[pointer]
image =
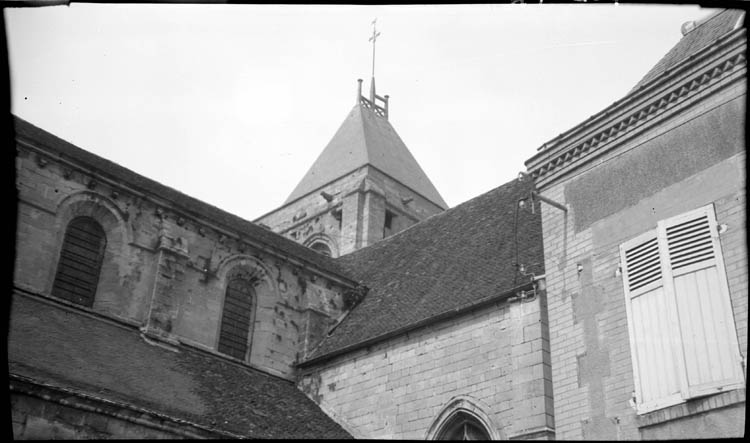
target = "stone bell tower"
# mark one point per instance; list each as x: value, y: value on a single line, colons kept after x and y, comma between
x: 363, y: 187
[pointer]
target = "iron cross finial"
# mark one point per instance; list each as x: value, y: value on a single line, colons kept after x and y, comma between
x: 374, y: 37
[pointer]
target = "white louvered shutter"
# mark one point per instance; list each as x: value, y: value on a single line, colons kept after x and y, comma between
x: 651, y: 324
x: 696, y: 274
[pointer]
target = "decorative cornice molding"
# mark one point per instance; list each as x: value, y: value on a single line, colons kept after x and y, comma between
x: 545, y: 162
x: 216, y: 228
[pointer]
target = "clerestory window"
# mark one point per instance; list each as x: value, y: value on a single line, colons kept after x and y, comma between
x: 237, y: 318
x: 80, y: 261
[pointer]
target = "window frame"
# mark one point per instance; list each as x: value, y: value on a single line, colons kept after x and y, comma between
x: 64, y: 262
x: 249, y: 281
x: 678, y: 359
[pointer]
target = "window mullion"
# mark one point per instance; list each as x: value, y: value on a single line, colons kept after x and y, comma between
x: 671, y: 301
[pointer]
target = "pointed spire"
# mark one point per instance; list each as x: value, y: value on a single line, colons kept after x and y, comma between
x: 366, y: 138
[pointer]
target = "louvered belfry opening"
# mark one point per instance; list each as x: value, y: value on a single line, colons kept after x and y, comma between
x: 236, y: 318
x: 80, y: 261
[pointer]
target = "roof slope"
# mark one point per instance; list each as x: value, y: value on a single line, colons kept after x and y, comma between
x: 364, y: 138
x: 69, y: 349
x: 193, y: 206
x: 703, y: 35
x: 451, y: 260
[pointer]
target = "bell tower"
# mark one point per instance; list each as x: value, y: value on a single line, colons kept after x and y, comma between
x: 363, y: 187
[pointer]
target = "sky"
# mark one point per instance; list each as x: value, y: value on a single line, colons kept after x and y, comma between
x: 231, y: 104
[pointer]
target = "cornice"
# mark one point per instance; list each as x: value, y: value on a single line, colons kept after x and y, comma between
x: 176, y: 211
x: 638, y: 110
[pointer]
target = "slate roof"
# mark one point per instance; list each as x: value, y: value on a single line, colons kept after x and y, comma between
x: 364, y: 138
x: 704, y: 34
x: 449, y: 261
x: 69, y: 349
x: 192, y: 206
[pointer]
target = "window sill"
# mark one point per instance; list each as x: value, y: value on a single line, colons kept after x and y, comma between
x: 691, y: 407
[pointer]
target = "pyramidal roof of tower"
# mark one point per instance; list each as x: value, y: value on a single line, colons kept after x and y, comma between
x: 365, y: 138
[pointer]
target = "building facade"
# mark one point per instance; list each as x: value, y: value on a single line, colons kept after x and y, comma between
x: 452, y: 339
x: 602, y: 295
x: 177, y: 285
x: 647, y: 266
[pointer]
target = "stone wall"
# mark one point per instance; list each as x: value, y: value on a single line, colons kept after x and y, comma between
x: 165, y: 269
x: 349, y: 213
x: 494, y: 361
x: 692, y: 159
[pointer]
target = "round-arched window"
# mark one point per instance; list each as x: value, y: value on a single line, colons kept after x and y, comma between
x: 321, y: 248
x: 80, y: 261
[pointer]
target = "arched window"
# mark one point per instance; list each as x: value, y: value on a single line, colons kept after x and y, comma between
x: 80, y: 261
x: 321, y: 248
x: 237, y: 318
x: 463, y: 426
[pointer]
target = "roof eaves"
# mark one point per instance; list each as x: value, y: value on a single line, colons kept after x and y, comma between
x: 24, y: 384
x: 640, y: 90
x: 582, y: 129
x: 416, y: 325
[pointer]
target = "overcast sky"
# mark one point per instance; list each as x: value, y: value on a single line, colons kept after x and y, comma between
x: 231, y: 104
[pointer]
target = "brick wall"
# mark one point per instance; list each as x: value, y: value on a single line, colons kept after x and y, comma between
x: 495, y: 358
x: 591, y: 361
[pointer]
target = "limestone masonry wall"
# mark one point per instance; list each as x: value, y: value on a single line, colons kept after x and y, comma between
x: 165, y: 269
x: 354, y: 216
x: 496, y: 359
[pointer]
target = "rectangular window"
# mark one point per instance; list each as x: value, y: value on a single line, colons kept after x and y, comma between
x: 388, y: 219
x: 682, y: 336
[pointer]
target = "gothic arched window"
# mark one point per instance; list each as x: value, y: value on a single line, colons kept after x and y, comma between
x: 463, y: 426
x: 80, y: 261
x: 237, y: 318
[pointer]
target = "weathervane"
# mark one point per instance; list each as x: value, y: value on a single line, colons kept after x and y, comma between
x: 374, y: 37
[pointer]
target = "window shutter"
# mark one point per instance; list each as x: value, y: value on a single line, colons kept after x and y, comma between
x: 236, y: 318
x: 651, y: 324
x: 80, y: 261
x: 706, y: 325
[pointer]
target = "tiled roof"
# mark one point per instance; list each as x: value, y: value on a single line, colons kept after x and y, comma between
x: 449, y: 261
x: 71, y: 350
x: 197, y: 208
x: 704, y: 34
x: 364, y: 138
